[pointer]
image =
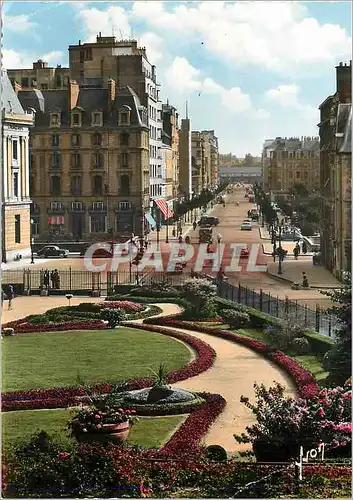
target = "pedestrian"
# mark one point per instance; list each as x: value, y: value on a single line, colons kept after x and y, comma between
x: 10, y: 296
x: 194, y: 225
x: 46, y: 279
x: 52, y: 279
x: 296, y: 252
x: 180, y: 239
x: 305, y: 248
x: 55, y: 278
x: 173, y: 232
x: 305, y: 280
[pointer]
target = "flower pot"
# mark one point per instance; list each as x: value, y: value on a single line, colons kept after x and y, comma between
x: 114, y: 433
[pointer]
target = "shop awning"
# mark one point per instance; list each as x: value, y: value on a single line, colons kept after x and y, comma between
x: 162, y: 205
x: 150, y: 220
x: 56, y: 221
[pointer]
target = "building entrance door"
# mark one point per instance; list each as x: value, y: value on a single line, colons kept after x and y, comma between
x: 77, y: 225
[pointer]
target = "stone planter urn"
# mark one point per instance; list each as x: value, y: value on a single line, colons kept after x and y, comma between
x: 114, y: 433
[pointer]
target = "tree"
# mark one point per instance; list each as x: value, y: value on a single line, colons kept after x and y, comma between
x: 299, y: 190
x: 248, y: 160
x: 200, y: 294
x: 339, y: 358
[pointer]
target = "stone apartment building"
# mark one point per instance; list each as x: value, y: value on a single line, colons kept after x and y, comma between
x: 92, y: 65
x: 89, y: 163
x: 335, y: 129
x: 171, y: 152
x: 204, y: 147
x: 292, y: 161
x: 15, y: 180
x: 185, y: 159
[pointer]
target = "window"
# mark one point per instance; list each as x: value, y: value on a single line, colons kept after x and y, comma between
x: 82, y: 56
x: 17, y: 228
x: 55, y: 140
x: 77, y: 206
x: 24, y: 82
x: 97, y: 206
x: 98, y: 224
x: 75, y: 160
x: 75, y: 119
x: 32, y: 185
x: 124, y: 185
x: 15, y: 150
x: 97, y: 185
x: 15, y: 185
x: 76, y: 184
x: 57, y: 206
x: 35, y: 226
x: 56, y: 160
x: 305, y: 175
x: 75, y: 140
x: 290, y: 175
x: 55, y: 188
x: 96, y: 139
x: 124, y: 160
x: 54, y: 119
x: 298, y: 175
x: 97, y: 119
x: 124, y: 206
x: 124, y: 139
x: 97, y: 160
x: 123, y: 117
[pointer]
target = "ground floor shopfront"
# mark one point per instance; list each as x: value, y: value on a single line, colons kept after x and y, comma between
x: 16, y: 227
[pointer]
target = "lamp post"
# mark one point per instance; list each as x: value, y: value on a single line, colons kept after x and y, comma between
x: 167, y: 232
x: 274, y: 240
x: 158, y: 228
x: 32, y: 256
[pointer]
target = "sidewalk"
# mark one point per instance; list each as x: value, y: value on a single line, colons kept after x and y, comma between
x: 287, y: 245
x: 318, y: 277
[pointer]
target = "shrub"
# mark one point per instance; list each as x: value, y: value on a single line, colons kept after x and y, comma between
x: 113, y: 316
x: 89, y: 307
x: 200, y: 293
x: 300, y: 345
x: 37, y: 319
x: 216, y: 453
x: 236, y: 319
x: 283, y: 334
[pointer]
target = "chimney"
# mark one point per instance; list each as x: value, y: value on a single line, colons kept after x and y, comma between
x: 344, y: 82
x: 111, y: 90
x: 74, y: 90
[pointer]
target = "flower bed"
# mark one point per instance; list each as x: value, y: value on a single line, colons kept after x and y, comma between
x: 307, y: 386
x: 62, y: 397
x: 24, y: 327
x: 127, y: 306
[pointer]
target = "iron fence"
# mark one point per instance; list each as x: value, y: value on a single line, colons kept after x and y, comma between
x: 72, y: 280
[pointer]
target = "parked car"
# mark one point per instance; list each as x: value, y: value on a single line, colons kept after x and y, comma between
x: 207, y: 221
x: 246, y: 226
x: 52, y: 251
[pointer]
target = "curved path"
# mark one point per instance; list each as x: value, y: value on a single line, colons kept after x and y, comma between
x: 233, y: 374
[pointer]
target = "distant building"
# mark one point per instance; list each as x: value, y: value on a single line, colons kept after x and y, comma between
x: 335, y: 173
x: 204, y: 150
x: 185, y: 159
x: 292, y: 161
x: 15, y: 179
x: 170, y: 150
x: 250, y: 175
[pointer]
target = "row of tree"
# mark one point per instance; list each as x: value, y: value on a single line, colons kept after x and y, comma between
x: 198, y: 201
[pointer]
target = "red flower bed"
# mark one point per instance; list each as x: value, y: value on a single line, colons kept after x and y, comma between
x: 63, y: 396
x: 306, y: 383
x: 24, y: 327
x: 129, y: 307
x: 188, y: 437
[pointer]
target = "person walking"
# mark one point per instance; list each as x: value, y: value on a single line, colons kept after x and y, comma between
x: 305, y: 248
x: 305, y: 280
x: 46, y: 279
x: 10, y: 296
x: 194, y: 225
x: 296, y: 251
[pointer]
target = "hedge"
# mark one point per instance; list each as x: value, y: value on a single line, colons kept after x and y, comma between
x: 149, y: 410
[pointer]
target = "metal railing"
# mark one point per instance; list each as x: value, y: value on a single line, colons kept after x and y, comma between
x: 72, y: 280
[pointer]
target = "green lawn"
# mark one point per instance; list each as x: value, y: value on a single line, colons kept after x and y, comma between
x: 148, y: 431
x: 44, y: 360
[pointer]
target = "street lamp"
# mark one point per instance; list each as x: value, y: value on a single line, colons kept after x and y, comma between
x: 167, y: 232
x: 32, y: 256
x: 158, y: 228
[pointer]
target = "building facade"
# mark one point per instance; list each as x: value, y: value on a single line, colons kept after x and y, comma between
x: 89, y: 164
x: 15, y: 180
x: 293, y: 161
x: 204, y: 148
x: 335, y: 129
x: 185, y: 159
x: 251, y: 175
x: 214, y: 158
x: 170, y: 150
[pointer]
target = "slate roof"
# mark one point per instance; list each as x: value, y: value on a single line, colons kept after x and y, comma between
x: 9, y: 99
x: 89, y: 100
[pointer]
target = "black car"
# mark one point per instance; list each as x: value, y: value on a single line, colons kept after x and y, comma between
x: 52, y: 251
x: 208, y: 221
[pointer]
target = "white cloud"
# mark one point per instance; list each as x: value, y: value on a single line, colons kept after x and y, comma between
x: 278, y: 36
x: 154, y: 46
x: 18, y: 24
x: 114, y: 19
x: 24, y: 60
x: 287, y: 96
x: 183, y: 78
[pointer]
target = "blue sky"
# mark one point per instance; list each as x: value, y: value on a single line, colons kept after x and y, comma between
x: 249, y: 70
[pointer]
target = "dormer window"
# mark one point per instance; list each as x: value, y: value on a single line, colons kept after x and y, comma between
x: 55, y: 119
x: 97, y: 119
x: 76, y: 119
x: 124, y: 115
